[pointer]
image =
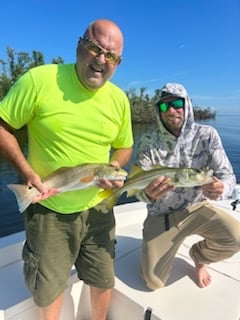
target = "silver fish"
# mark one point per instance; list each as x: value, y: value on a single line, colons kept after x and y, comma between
x: 80, y: 177
x: 139, y: 179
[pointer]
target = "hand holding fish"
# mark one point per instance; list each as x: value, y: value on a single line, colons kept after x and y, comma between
x: 33, y: 180
x: 158, y: 188
x: 214, y: 189
x: 107, y: 184
x: 156, y: 182
x: 81, y: 177
x: 44, y: 194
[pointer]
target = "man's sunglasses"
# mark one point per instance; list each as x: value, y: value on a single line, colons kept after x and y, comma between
x: 96, y: 50
x: 176, y: 104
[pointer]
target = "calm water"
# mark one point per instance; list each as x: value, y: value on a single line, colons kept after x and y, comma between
x: 11, y: 221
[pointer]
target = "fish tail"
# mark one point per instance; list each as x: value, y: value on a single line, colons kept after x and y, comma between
x: 132, y: 192
x: 23, y: 194
x: 107, y: 203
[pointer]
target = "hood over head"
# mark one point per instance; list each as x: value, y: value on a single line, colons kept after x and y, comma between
x: 177, y: 90
x: 172, y: 90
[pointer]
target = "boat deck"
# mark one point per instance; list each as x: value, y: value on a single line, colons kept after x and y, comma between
x: 180, y: 299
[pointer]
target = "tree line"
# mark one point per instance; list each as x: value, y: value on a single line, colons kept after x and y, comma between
x: 142, y: 105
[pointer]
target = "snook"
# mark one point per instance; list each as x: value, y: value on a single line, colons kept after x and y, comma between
x: 80, y: 177
x: 139, y: 179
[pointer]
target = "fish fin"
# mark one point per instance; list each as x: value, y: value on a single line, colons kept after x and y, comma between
x: 86, y: 179
x: 134, y: 170
x: 23, y: 194
x: 106, y: 205
x: 105, y: 194
x: 109, y: 199
x: 102, y: 206
x: 132, y: 192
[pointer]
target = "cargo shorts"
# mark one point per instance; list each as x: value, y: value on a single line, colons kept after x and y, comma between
x: 55, y: 242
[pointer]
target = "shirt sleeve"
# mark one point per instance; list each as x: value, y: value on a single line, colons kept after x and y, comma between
x: 125, y: 136
x: 17, y: 107
x: 221, y: 164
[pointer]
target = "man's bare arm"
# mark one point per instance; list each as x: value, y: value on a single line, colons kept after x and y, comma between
x: 11, y: 151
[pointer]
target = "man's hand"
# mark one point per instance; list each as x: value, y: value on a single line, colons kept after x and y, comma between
x: 45, y: 195
x: 214, y: 189
x: 109, y: 184
x: 33, y: 180
x: 158, y: 188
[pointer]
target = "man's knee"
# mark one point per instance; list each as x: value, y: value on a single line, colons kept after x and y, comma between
x: 152, y: 281
x: 235, y: 241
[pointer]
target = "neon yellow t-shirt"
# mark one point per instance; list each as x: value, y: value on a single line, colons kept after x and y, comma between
x: 67, y: 125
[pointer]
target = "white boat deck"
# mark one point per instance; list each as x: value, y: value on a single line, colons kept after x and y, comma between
x: 180, y: 299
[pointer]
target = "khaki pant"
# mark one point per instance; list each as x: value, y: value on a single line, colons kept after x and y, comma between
x: 221, y: 233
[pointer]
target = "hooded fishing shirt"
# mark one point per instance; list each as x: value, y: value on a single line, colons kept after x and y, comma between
x: 198, y: 146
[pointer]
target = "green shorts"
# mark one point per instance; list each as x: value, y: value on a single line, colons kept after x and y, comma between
x: 55, y: 242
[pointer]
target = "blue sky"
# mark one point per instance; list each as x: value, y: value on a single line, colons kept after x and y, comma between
x: 193, y: 42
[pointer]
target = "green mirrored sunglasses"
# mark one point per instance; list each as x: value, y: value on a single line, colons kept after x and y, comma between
x: 176, y: 104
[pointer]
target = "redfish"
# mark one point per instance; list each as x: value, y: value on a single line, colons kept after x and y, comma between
x: 83, y: 176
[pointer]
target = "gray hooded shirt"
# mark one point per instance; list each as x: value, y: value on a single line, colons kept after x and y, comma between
x: 198, y: 146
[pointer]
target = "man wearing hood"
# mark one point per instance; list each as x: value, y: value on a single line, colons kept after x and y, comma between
x: 173, y: 212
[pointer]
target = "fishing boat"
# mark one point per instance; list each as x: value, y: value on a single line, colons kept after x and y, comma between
x: 180, y: 299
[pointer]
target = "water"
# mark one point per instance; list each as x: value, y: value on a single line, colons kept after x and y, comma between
x: 12, y: 221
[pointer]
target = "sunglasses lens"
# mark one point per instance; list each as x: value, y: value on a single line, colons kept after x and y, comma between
x: 163, y: 106
x: 93, y: 48
x: 177, y: 104
x: 110, y: 57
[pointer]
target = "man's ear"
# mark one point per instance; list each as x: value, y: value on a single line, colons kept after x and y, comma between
x: 120, y: 60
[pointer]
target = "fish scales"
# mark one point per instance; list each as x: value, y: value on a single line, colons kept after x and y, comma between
x: 80, y: 177
x: 139, y: 179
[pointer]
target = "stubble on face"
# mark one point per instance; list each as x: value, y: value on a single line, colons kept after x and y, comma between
x: 173, y: 122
